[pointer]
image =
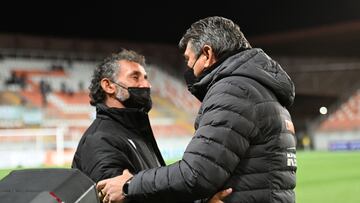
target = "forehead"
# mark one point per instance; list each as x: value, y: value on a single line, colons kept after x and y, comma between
x: 130, y: 67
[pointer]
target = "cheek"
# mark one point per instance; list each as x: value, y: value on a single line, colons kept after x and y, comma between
x: 197, y: 70
x: 188, y: 64
x: 122, y: 94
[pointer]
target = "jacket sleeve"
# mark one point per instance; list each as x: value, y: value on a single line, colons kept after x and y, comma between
x: 103, y: 157
x: 209, y: 159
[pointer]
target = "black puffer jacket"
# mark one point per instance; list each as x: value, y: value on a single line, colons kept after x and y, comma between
x: 244, y: 138
x: 118, y: 139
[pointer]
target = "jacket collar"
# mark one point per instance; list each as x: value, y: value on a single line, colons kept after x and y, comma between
x: 200, y: 87
x: 129, y: 117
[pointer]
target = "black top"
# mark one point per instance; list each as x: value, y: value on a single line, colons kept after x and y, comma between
x: 118, y: 139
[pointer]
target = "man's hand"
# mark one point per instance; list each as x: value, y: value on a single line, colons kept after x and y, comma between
x: 218, y: 197
x: 111, y: 189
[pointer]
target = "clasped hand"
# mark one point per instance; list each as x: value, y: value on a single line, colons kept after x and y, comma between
x: 110, y: 190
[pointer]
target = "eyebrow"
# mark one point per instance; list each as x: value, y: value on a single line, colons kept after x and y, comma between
x: 137, y: 73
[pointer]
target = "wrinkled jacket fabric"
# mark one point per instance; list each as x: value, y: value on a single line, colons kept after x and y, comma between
x: 117, y: 139
x: 244, y: 138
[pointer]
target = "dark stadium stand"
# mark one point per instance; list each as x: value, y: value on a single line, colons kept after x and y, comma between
x: 67, y: 111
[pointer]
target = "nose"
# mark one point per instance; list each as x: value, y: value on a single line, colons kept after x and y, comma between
x: 145, y: 83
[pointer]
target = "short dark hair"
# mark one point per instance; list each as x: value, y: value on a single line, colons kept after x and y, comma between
x: 109, y: 68
x: 222, y: 34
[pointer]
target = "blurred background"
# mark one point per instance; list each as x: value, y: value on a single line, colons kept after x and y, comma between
x: 48, y: 52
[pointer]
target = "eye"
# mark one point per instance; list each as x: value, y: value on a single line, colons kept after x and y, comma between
x: 135, y: 77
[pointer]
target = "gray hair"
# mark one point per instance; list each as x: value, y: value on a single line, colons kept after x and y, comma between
x: 222, y: 34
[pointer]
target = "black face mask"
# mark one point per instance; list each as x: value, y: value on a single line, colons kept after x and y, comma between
x: 139, y: 98
x: 189, y: 76
x: 191, y: 79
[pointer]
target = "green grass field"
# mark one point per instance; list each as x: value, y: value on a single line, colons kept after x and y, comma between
x: 330, y: 177
x: 326, y: 177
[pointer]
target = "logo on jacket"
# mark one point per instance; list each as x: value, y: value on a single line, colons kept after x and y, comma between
x: 291, y: 159
x: 290, y: 126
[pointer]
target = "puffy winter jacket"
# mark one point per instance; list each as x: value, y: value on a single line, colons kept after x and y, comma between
x: 244, y: 138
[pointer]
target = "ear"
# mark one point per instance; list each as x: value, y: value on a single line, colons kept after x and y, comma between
x: 107, y: 86
x: 209, y: 54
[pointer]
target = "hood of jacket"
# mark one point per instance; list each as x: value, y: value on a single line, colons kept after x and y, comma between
x: 252, y: 63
